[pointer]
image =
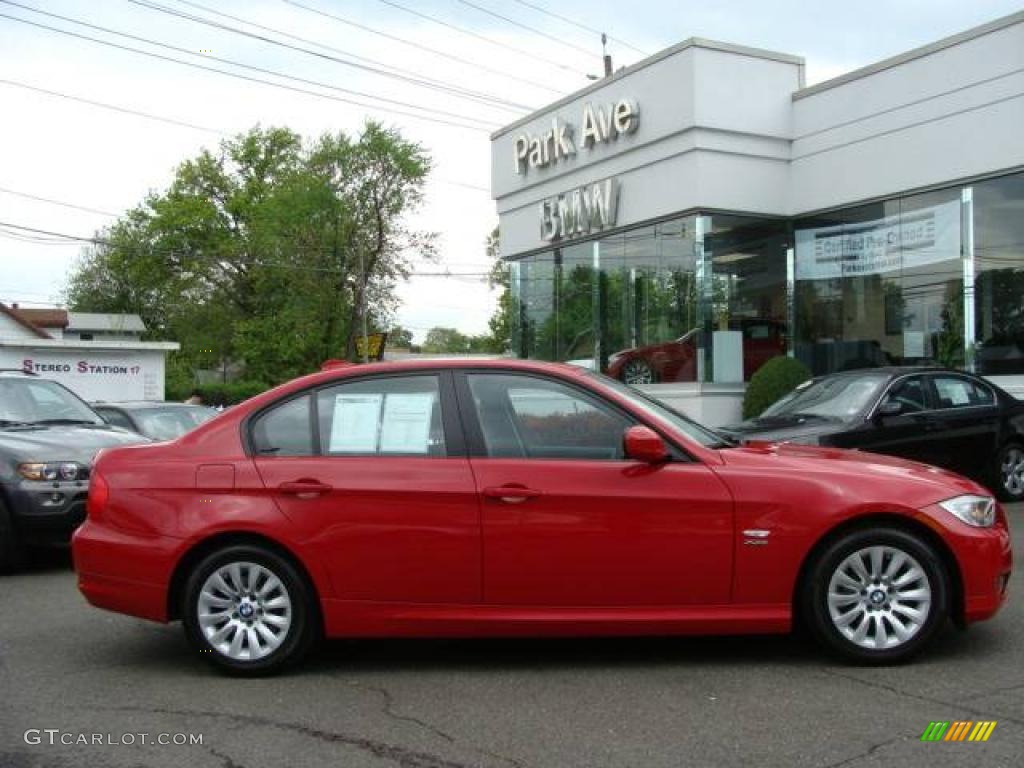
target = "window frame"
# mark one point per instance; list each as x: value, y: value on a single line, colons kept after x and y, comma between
x: 455, y: 443
x: 476, y: 445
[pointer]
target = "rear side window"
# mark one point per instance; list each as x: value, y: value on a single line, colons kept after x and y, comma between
x: 957, y: 392
x: 284, y: 430
x: 397, y: 416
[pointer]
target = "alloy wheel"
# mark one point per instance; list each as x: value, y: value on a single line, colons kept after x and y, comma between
x: 637, y: 372
x: 244, y: 611
x: 1012, y: 471
x: 879, y: 597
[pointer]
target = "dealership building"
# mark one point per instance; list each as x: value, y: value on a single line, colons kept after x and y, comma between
x: 683, y: 220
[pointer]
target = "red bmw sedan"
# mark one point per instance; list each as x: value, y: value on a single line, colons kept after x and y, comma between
x: 481, y: 498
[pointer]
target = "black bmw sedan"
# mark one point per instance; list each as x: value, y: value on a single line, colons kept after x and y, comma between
x: 937, y: 416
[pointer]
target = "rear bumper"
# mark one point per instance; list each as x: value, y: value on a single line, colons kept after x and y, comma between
x: 124, y: 571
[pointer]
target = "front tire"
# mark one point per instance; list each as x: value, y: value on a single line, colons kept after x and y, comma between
x: 876, y: 596
x: 249, y: 610
x: 12, y: 550
x: 1009, y: 472
x: 638, y: 371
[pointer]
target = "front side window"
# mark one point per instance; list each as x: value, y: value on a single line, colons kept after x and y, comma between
x: 284, y: 429
x: 398, y: 416
x: 957, y: 392
x: 529, y: 417
x: 909, y: 393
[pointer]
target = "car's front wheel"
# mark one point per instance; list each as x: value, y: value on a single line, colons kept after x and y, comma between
x: 876, y: 595
x: 638, y: 371
x: 249, y: 610
x: 1010, y: 472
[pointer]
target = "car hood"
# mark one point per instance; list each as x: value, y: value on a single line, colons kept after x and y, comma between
x: 782, y: 428
x: 916, y: 483
x: 63, y: 443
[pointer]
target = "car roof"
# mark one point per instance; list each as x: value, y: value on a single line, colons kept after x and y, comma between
x: 893, y: 370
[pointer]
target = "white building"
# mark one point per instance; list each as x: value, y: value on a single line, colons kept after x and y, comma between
x: 97, y: 356
x: 693, y: 214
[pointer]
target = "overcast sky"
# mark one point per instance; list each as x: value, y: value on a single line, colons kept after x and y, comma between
x: 90, y: 156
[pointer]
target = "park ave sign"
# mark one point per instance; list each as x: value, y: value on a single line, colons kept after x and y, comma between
x: 598, y: 125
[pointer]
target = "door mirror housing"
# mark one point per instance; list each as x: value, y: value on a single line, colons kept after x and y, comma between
x: 644, y: 444
x: 888, y: 408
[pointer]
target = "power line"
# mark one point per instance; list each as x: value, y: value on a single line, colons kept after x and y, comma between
x: 477, y: 35
x: 307, y: 268
x: 412, y: 43
x: 114, y: 107
x: 575, y: 23
x: 477, y: 96
x: 527, y: 27
x: 57, y: 202
x: 248, y: 78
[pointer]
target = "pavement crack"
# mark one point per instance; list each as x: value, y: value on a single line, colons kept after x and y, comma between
x: 225, y: 760
x: 389, y: 710
x: 988, y: 714
x: 407, y: 758
x: 866, y: 753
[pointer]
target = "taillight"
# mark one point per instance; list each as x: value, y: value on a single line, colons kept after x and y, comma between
x: 99, y: 495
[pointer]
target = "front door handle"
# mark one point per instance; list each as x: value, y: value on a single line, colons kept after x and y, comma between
x: 510, y: 494
x: 304, y: 489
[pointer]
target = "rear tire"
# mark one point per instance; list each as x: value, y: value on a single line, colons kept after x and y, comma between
x: 249, y: 610
x: 13, y: 555
x: 1009, y: 472
x: 876, y: 596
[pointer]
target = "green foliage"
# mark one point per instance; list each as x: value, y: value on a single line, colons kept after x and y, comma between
x: 400, y: 337
x: 266, y: 253
x: 446, y: 341
x: 777, y: 377
x: 230, y: 393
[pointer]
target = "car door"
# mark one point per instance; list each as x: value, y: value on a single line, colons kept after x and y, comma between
x: 373, y: 474
x: 907, y: 434
x: 568, y: 521
x: 967, y: 416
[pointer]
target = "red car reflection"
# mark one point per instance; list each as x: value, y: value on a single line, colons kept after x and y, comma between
x: 479, y: 498
x: 676, y: 360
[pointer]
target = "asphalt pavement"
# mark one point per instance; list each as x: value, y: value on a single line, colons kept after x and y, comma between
x: 72, y: 673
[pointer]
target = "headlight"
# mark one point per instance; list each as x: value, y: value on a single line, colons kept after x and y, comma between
x: 979, y: 511
x: 53, y: 470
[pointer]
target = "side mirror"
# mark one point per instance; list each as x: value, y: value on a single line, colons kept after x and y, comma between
x: 888, y: 408
x: 644, y: 444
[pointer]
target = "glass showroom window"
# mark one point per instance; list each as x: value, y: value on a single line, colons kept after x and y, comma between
x: 881, y: 284
x: 999, y: 275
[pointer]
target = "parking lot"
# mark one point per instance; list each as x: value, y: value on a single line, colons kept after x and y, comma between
x: 76, y: 672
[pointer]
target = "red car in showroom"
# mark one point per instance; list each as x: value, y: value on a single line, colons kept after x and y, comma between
x: 480, y: 498
x: 676, y: 360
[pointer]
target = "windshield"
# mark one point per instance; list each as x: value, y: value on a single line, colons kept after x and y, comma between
x: 659, y: 410
x: 170, y: 423
x: 836, y: 397
x: 26, y: 400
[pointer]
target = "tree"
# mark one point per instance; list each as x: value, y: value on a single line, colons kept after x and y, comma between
x: 400, y: 337
x: 500, y: 324
x: 446, y: 341
x: 270, y: 252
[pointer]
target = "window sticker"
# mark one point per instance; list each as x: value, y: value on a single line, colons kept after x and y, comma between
x: 355, y: 424
x: 406, y: 424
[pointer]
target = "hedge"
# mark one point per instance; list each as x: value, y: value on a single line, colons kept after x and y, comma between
x: 778, y: 377
x: 230, y: 393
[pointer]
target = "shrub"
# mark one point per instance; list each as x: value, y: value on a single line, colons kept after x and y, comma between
x: 230, y: 393
x: 777, y: 377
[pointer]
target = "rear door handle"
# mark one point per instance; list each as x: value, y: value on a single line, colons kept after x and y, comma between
x: 304, y: 489
x: 510, y: 494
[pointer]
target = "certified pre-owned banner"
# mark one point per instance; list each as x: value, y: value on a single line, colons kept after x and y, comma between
x: 909, y: 240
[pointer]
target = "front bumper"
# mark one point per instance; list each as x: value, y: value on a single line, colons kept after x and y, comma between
x: 124, y: 571
x: 985, y: 557
x: 47, y: 512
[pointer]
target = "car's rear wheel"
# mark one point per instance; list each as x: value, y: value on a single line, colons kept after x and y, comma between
x: 637, y: 371
x: 12, y: 551
x: 876, y: 595
x: 249, y: 610
x: 1010, y: 472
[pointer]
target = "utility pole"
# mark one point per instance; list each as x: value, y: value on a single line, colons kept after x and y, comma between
x: 607, y: 56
